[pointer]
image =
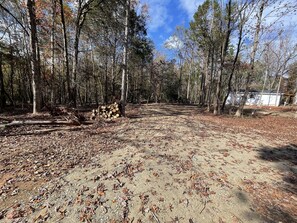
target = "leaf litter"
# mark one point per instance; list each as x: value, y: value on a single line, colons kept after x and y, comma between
x: 181, y: 167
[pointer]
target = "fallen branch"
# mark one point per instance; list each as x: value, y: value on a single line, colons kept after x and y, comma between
x: 156, y: 218
x: 45, y: 122
x: 203, y: 207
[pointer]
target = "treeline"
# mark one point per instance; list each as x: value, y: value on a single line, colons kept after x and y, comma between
x: 73, y: 52
x: 86, y: 52
x: 236, y: 46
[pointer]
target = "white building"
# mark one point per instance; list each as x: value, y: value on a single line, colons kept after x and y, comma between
x: 257, y: 98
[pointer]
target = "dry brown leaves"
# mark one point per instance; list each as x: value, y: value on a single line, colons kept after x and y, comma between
x: 29, y: 158
x: 274, y: 202
x: 274, y: 127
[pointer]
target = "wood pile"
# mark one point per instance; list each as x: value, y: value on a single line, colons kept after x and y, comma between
x: 66, y: 113
x: 111, y: 111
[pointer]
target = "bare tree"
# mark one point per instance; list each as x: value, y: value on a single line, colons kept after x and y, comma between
x: 53, y: 33
x: 2, y: 90
x: 224, y: 48
x: 35, y: 58
x: 263, y: 4
x: 242, y: 17
x: 65, y: 49
x: 125, y: 59
x: 83, y: 7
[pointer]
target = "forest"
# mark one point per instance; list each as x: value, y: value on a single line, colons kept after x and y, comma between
x: 92, y: 52
x: 99, y: 122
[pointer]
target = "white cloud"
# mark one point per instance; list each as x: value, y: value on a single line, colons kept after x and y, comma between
x: 158, y: 13
x: 190, y: 6
x: 173, y: 42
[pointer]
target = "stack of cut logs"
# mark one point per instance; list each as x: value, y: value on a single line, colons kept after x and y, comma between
x: 111, y: 111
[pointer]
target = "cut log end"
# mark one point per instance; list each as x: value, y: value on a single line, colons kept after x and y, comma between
x: 109, y: 112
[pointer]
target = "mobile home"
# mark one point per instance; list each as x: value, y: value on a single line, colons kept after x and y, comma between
x: 257, y: 98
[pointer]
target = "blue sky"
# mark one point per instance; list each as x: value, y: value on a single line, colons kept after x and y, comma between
x: 165, y: 15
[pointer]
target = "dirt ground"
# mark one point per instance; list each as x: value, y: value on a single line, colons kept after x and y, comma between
x: 163, y: 163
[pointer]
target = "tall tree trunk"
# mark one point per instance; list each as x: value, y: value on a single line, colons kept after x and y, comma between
x: 277, y: 103
x: 125, y: 61
x: 210, y: 79
x: 2, y: 90
x: 141, y: 87
x: 53, y: 31
x: 106, y: 65
x: 211, y: 52
x: 224, y: 48
x: 203, y: 87
x: 82, y: 11
x: 179, y: 91
x: 234, y: 64
x: 73, y: 94
x: 65, y: 44
x: 239, y: 111
x: 189, y: 79
x: 61, y: 87
x: 217, y: 99
x: 106, y: 79
x: 12, y: 72
x: 94, y: 77
x: 205, y: 80
x: 35, y: 60
x: 113, y: 66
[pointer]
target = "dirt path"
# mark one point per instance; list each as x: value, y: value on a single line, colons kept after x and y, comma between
x: 164, y: 163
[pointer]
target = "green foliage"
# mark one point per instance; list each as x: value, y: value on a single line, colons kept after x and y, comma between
x: 140, y: 45
x: 206, y: 24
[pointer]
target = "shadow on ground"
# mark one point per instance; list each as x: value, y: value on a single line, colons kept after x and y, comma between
x: 286, y: 159
x: 281, y: 205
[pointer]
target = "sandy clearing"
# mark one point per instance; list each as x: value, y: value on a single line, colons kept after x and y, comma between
x: 170, y: 164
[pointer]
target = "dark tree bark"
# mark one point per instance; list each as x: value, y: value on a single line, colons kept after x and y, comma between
x: 66, y: 58
x: 82, y: 11
x: 210, y: 74
x: 224, y: 49
x: 179, y: 91
x: 12, y: 70
x: 239, y: 111
x: 78, y: 26
x: 113, y: 66
x: 205, y: 81
x: 95, y: 78
x: 241, y: 25
x: 53, y: 32
x: 106, y: 67
x: 202, y: 89
x: 2, y: 90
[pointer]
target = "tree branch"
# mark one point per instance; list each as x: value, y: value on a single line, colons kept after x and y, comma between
x: 16, y: 19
